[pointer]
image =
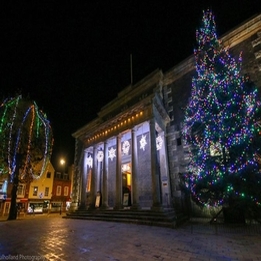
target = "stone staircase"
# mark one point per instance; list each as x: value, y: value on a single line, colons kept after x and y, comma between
x: 164, y: 218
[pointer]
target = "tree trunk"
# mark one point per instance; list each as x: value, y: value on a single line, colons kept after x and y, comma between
x: 13, y: 207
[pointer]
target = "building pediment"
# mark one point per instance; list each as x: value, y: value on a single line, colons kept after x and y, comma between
x: 132, y: 106
x: 131, y: 95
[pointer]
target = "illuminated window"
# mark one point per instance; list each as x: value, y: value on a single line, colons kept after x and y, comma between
x: 58, y: 191
x: 35, y: 191
x: 46, y: 192
x: 66, y: 191
x: 89, y: 177
x: 20, y: 190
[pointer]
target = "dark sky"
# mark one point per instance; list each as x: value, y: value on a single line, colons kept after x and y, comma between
x: 73, y: 57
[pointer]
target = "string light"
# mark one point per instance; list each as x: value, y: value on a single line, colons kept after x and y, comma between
x: 220, y: 126
x: 24, y: 129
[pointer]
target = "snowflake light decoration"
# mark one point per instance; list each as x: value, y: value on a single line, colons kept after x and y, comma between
x: 159, y: 142
x: 143, y: 142
x: 126, y: 147
x: 89, y: 161
x: 100, y: 156
x: 125, y: 167
x: 112, y: 154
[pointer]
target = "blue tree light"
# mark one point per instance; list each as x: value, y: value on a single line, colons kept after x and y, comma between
x: 221, y: 125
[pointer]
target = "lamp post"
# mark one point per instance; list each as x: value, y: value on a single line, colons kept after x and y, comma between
x: 62, y: 162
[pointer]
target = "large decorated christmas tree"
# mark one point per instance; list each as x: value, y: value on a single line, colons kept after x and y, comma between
x: 221, y: 127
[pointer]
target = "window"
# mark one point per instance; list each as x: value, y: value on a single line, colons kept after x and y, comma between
x: 20, y: 190
x: 58, y: 191
x: 65, y: 176
x: 46, y: 192
x: 35, y: 191
x: 48, y: 175
x: 58, y: 175
x: 66, y: 191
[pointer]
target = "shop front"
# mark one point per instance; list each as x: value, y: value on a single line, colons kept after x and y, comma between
x: 38, y: 207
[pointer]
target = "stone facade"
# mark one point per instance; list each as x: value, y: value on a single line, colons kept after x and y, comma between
x: 121, y: 155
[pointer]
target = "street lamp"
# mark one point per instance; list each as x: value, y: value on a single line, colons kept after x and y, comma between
x: 62, y: 162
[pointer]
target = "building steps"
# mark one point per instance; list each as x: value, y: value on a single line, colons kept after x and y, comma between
x: 165, y: 218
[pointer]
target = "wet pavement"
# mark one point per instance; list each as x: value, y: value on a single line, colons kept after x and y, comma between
x: 55, y: 238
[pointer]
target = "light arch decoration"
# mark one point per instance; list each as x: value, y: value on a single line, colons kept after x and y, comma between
x: 25, y: 131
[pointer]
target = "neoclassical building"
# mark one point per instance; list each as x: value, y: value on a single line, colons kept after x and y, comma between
x: 123, y: 156
x: 131, y: 155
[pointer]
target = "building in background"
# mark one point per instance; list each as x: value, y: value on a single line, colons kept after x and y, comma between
x: 40, y: 191
x: 33, y: 197
x: 3, y: 193
x: 61, y: 193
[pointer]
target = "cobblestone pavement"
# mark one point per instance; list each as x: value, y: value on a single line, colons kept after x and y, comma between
x: 56, y: 238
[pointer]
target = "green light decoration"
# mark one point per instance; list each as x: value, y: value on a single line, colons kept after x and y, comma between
x: 221, y: 126
x: 24, y: 130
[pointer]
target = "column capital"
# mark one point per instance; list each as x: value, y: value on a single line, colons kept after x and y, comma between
x: 134, y: 129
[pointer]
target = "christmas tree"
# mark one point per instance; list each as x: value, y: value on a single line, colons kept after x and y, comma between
x: 221, y: 126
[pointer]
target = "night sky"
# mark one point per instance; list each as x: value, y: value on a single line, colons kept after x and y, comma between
x: 73, y: 57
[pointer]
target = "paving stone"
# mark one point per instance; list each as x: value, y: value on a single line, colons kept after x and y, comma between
x: 55, y: 238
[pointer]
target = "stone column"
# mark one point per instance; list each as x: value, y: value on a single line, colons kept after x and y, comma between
x: 105, y: 177
x: 75, y: 181
x: 75, y: 189
x: 84, y: 181
x: 118, y: 201
x: 93, y: 178
x: 166, y: 164
x: 154, y: 168
x: 134, y: 162
x: 98, y: 173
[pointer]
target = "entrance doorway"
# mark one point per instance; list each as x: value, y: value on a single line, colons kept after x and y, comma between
x: 126, y: 184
